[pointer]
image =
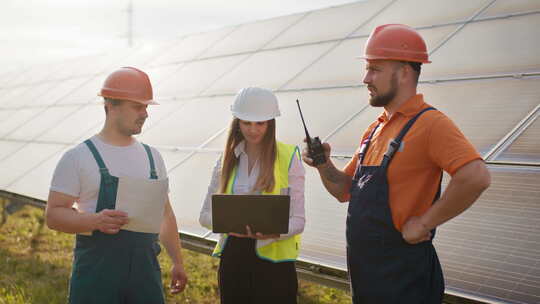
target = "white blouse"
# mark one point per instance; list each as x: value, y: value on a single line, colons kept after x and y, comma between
x: 245, y: 182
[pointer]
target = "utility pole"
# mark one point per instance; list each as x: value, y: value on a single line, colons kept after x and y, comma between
x: 130, y: 23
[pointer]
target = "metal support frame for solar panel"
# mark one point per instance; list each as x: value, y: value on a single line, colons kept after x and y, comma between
x: 513, y: 134
x: 318, y: 273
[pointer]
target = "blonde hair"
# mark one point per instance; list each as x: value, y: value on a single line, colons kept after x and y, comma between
x: 266, y: 180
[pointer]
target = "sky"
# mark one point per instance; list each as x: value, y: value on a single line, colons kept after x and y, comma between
x: 37, y: 31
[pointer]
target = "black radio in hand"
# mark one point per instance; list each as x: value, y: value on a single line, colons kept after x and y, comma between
x: 315, y: 148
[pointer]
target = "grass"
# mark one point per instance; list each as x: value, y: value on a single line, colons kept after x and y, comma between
x: 35, y: 265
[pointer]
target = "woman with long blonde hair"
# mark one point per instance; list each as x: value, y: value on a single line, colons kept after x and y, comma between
x: 255, y: 267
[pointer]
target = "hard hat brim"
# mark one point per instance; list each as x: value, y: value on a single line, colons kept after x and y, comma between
x: 254, y: 118
x: 144, y: 102
x: 391, y: 58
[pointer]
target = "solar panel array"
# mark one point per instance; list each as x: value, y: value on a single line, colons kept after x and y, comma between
x: 485, y: 75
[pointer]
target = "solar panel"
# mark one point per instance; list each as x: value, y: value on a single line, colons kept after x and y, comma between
x: 161, y: 74
x: 472, y: 50
x: 323, y: 240
x: 492, y: 250
x: 511, y: 7
x: 252, y: 36
x: 39, y: 123
x: 336, y: 104
x: 84, y: 93
x: 484, y: 110
x: 271, y: 68
x: 328, y: 24
x: 426, y: 13
x: 189, y: 192
x: 58, y: 90
x: 39, y: 174
x: 72, y: 127
x: 338, y: 69
x: 28, y: 95
x: 191, y: 47
x: 24, y: 159
x: 526, y: 148
x: 16, y: 118
x: 207, y: 115
x: 196, y: 76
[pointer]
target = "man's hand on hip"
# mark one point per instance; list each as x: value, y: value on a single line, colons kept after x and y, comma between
x: 414, y: 231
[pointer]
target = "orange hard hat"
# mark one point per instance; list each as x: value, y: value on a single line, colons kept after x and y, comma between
x: 128, y: 83
x: 396, y: 42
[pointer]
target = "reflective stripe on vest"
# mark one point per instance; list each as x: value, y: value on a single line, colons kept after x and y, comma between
x: 272, y: 250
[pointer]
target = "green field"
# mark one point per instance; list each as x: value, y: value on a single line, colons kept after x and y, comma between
x: 35, y: 265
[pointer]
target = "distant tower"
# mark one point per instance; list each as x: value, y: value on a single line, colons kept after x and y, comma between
x: 130, y: 23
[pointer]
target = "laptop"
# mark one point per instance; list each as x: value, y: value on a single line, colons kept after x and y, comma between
x: 267, y: 214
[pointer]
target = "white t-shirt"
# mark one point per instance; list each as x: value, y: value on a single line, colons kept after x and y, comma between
x: 77, y: 172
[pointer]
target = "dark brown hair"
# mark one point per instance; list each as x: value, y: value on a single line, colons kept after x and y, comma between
x: 112, y: 102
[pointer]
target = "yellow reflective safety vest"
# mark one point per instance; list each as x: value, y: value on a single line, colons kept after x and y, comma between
x: 274, y: 250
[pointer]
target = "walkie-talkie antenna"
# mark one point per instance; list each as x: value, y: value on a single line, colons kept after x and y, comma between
x: 303, y: 122
x: 315, y: 147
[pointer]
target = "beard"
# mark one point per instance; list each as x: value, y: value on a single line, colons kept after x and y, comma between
x: 138, y: 127
x: 385, y: 99
x: 129, y: 130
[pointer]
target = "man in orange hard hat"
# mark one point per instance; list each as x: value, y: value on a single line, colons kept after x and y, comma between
x: 112, y: 264
x: 393, y: 181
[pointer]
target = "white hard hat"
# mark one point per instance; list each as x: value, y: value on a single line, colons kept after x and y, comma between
x: 255, y: 104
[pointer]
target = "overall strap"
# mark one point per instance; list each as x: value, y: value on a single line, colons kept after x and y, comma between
x: 101, y: 164
x: 435, y: 199
x: 396, y: 142
x: 365, y: 145
x: 153, y: 173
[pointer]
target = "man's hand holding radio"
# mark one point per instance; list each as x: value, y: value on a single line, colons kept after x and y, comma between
x: 307, y: 158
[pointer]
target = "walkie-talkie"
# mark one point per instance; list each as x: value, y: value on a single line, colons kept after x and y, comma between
x: 315, y: 148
